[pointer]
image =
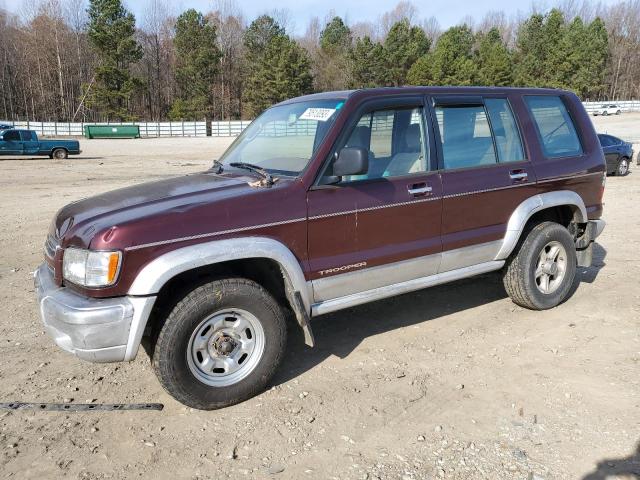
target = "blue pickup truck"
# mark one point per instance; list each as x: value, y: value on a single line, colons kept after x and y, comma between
x: 25, y: 142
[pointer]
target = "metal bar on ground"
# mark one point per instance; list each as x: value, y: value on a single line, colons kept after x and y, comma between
x: 80, y: 407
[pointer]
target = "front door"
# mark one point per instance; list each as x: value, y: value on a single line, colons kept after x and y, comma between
x: 383, y: 227
x: 11, y: 143
x: 485, y: 176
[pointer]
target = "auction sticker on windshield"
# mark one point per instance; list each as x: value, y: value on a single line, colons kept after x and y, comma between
x: 318, y: 114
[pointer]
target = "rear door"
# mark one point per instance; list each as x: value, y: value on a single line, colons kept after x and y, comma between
x: 381, y: 228
x: 485, y: 175
x: 11, y: 144
x: 30, y: 144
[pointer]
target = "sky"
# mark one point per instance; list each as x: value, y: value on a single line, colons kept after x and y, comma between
x: 447, y: 12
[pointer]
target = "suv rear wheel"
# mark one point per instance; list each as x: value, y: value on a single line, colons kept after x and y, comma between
x: 221, y: 344
x: 540, y: 274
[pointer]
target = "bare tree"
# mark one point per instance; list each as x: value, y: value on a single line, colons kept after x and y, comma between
x: 431, y: 28
x: 156, y: 41
x: 230, y: 25
x: 404, y: 10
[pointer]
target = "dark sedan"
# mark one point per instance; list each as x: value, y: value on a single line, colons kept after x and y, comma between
x: 618, y: 154
x: 5, y: 126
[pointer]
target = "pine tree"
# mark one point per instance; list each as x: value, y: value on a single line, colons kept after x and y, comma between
x: 450, y: 63
x: 554, y: 33
x: 367, y: 60
x: 197, y: 60
x: 111, y: 32
x: 336, y: 36
x: 539, y: 56
x: 332, y: 61
x: 596, y: 58
x: 258, y: 36
x: 402, y: 47
x: 530, y: 52
x: 493, y: 60
x: 279, y: 67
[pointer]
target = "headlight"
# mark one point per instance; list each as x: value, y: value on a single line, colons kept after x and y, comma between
x: 90, y: 269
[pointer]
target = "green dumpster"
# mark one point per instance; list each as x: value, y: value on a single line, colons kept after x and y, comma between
x: 112, y: 131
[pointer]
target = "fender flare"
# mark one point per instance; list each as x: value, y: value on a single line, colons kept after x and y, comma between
x: 159, y: 271
x: 531, y: 205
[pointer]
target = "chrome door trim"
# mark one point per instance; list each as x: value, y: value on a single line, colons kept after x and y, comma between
x: 468, y: 256
x: 328, y: 288
x: 367, y: 296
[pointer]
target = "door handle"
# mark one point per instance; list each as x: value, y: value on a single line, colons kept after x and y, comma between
x: 518, y: 175
x: 419, y: 189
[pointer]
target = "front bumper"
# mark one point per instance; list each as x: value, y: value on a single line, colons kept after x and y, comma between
x: 94, y: 329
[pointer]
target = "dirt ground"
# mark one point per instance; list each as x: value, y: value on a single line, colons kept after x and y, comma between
x: 450, y: 382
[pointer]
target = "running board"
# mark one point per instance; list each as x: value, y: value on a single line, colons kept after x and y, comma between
x: 367, y: 296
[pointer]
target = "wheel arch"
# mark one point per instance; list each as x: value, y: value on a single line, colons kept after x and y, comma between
x: 256, y: 258
x: 541, y: 204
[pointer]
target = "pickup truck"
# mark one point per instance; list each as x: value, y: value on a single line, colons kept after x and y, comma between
x: 325, y: 202
x: 25, y: 142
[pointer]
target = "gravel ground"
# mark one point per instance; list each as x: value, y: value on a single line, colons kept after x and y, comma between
x: 450, y: 382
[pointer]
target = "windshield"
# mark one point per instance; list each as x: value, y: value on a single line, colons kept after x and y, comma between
x: 284, y: 138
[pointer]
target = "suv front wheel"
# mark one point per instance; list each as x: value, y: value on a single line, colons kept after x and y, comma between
x: 540, y: 274
x: 221, y: 344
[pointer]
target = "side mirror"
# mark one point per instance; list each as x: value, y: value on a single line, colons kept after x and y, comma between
x: 351, y: 161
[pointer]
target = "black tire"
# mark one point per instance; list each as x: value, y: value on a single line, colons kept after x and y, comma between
x: 171, y: 348
x: 618, y: 112
x: 623, y: 167
x: 59, y: 154
x: 519, y: 274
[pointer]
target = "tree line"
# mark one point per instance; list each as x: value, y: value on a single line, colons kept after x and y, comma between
x: 79, y: 60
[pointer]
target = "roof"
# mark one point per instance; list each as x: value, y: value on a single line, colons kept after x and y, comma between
x: 366, y: 92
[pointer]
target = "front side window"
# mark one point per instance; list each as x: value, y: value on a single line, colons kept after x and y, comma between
x: 505, y: 130
x: 394, y: 139
x: 556, y: 130
x: 11, y: 135
x: 284, y: 138
x: 466, y: 136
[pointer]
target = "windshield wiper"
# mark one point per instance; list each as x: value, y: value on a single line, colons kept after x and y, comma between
x: 266, y: 176
x: 219, y: 166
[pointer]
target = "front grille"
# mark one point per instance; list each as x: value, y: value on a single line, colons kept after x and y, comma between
x: 50, y: 246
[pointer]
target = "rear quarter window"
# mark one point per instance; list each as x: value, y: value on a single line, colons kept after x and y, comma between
x: 555, y: 128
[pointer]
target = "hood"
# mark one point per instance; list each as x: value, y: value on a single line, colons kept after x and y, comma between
x: 152, y: 202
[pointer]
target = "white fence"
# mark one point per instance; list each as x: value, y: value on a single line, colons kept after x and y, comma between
x: 231, y: 128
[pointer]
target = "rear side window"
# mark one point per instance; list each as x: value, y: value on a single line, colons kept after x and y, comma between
x: 26, y: 135
x: 556, y: 130
x: 505, y: 130
x: 466, y: 137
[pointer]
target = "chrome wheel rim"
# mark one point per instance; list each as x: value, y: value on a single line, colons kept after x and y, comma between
x: 225, y: 347
x: 551, y: 267
x: 623, y: 167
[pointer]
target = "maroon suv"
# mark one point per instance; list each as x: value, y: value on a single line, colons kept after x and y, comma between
x: 325, y: 202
